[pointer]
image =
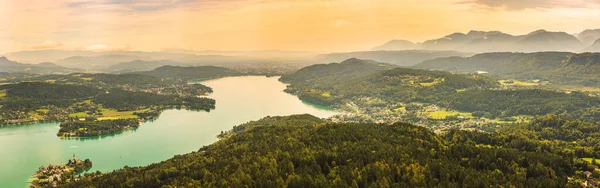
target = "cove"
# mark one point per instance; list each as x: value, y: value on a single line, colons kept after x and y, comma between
x: 24, y: 148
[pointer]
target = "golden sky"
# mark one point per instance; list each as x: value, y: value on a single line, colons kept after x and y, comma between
x: 305, y: 25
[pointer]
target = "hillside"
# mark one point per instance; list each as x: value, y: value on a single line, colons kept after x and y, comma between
x: 401, y: 58
x: 140, y: 65
x: 543, y: 40
x: 595, y: 47
x: 533, y: 102
x: 331, y: 74
x: 190, y: 73
x: 589, y: 36
x: 7, y: 65
x: 496, y: 41
x: 302, y: 152
x: 396, y: 45
x: 392, y: 85
x: 557, y: 67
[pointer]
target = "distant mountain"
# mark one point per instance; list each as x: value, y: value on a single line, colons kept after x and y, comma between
x: 402, y: 58
x: 558, y: 67
x: 36, y: 56
x: 594, y: 47
x: 496, y: 41
x: 457, y: 40
x: 49, y: 65
x: 97, y: 62
x: 102, y: 60
x: 588, y: 37
x: 396, y: 45
x: 140, y: 65
x: 543, y: 40
x: 335, y: 73
x: 499, y: 63
x: 9, y: 66
x: 5, y: 62
x: 190, y: 73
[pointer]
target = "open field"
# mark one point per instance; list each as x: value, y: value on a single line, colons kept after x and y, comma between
x: 518, y: 83
x: 110, y: 114
x: 441, y: 114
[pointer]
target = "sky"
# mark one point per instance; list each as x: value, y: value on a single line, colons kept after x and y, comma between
x: 252, y: 25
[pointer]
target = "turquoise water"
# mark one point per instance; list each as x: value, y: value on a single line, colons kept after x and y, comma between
x: 239, y: 99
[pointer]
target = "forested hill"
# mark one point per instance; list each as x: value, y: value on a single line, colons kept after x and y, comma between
x: 305, y: 153
x: 534, y: 102
x: 327, y: 75
x: 557, y: 67
x: 190, y: 73
x: 393, y: 85
x: 400, y: 58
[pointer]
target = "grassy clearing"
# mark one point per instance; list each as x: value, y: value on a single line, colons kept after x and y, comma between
x: 326, y: 94
x: 518, y: 119
x: 43, y: 110
x: 87, y: 79
x: 401, y: 109
x: 442, y: 114
x: 461, y: 90
x: 427, y: 84
x: 36, y: 116
x: 51, y: 81
x: 110, y: 114
x: 79, y: 114
x: 2, y: 93
x: 589, y: 160
x: 517, y: 83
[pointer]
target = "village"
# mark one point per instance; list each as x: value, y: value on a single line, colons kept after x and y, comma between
x: 368, y: 110
x: 54, y: 175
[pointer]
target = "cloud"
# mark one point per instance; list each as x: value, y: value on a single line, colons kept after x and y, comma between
x: 46, y: 45
x: 535, y: 4
x: 134, y: 5
x: 107, y: 48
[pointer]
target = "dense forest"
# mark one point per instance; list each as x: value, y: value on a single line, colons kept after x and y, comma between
x: 556, y: 67
x: 301, y: 151
x: 96, y: 128
x: 505, y: 103
x: 328, y: 75
x: 28, y: 102
x: 27, y: 96
x: 129, y: 82
x: 126, y: 101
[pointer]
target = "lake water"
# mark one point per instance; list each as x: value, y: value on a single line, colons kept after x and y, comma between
x: 23, y: 149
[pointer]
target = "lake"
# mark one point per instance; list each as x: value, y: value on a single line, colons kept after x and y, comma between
x: 24, y: 148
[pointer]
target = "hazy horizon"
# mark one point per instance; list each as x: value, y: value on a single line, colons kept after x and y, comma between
x: 253, y: 25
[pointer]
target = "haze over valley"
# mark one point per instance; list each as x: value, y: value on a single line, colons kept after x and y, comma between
x: 334, y: 93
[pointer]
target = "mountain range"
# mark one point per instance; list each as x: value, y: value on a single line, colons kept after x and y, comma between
x: 401, y: 58
x: 10, y: 66
x: 140, y: 65
x: 557, y: 67
x: 496, y: 41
